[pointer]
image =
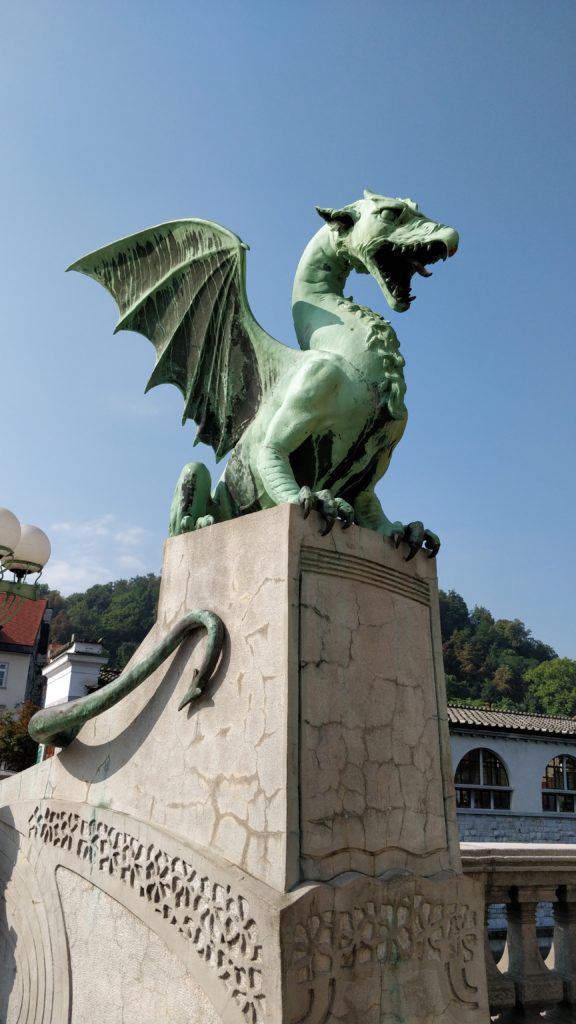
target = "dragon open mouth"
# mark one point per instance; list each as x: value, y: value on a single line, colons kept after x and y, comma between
x: 395, y: 265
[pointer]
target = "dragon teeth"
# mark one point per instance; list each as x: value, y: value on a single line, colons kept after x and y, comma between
x: 421, y: 270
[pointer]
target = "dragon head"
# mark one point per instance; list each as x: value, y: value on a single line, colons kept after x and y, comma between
x: 390, y: 239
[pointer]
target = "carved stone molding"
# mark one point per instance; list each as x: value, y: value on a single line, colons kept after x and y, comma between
x: 419, y: 941
x: 409, y: 929
x: 215, y: 919
x: 363, y: 570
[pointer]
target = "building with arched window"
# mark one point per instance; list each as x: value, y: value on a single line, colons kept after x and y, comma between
x: 559, y: 785
x: 515, y: 776
x: 482, y: 782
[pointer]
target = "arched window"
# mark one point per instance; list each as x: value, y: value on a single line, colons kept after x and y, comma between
x: 482, y: 782
x: 559, y: 784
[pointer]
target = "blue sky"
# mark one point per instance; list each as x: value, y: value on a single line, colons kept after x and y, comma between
x: 119, y: 116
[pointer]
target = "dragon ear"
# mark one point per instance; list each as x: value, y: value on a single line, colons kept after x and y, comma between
x: 338, y: 219
x: 371, y: 195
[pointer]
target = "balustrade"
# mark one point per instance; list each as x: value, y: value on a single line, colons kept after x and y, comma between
x: 523, y: 986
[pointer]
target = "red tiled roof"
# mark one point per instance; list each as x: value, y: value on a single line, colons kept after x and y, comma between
x: 512, y: 721
x: 22, y: 630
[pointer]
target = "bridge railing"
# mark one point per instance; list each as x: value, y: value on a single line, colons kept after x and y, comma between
x: 525, y: 878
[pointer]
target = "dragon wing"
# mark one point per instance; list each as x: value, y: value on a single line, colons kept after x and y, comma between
x: 182, y: 285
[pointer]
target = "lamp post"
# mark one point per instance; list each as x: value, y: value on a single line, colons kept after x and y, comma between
x: 24, y: 551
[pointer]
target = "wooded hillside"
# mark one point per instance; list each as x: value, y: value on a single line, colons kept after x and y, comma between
x: 119, y: 614
x: 498, y: 661
x: 487, y: 660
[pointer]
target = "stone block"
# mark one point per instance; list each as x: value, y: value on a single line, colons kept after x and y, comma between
x: 377, y: 951
x: 288, y: 842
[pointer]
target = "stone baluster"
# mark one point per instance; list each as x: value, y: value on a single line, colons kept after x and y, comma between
x: 521, y: 876
x: 537, y: 987
x: 501, y: 989
x: 565, y: 940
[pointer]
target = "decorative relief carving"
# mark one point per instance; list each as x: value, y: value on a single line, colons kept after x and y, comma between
x: 337, y: 563
x: 216, y: 920
x: 411, y: 928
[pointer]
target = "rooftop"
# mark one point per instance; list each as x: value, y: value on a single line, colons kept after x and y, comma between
x: 22, y: 629
x: 76, y: 646
x: 511, y: 721
x: 107, y: 675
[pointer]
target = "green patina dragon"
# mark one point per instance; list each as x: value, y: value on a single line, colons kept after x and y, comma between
x: 315, y: 427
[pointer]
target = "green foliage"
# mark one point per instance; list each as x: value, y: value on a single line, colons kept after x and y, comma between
x: 489, y: 661
x: 454, y: 614
x: 17, y: 748
x: 119, y: 614
x: 551, y: 687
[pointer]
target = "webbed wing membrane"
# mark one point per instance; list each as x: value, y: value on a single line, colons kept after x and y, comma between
x: 182, y: 285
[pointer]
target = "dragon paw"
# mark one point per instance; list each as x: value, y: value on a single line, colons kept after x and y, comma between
x: 330, y: 508
x: 188, y: 523
x: 203, y: 521
x: 417, y: 537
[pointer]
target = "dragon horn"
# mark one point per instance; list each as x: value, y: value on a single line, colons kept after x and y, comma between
x: 345, y: 217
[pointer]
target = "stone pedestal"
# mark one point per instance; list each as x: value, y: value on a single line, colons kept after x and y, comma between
x: 285, y: 849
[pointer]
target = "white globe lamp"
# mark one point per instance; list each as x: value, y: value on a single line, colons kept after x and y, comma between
x: 23, y: 550
x: 9, y: 533
x: 31, y: 553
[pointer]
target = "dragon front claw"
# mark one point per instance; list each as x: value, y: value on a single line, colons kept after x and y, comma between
x: 431, y: 543
x: 330, y: 508
x: 417, y: 537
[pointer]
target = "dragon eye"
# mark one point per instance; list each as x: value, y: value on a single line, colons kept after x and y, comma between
x: 390, y: 216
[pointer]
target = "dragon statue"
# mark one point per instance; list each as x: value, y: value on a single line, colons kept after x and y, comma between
x: 315, y: 426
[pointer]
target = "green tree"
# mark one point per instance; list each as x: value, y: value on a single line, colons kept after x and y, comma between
x: 54, y: 598
x: 17, y: 749
x: 120, y: 614
x: 453, y: 612
x: 487, y: 659
x: 460, y: 690
x: 551, y: 687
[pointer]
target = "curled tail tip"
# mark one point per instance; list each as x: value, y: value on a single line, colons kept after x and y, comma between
x: 190, y: 696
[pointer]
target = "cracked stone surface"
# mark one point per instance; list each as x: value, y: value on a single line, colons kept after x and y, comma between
x: 153, y: 984
x: 372, y: 720
x: 216, y: 773
x: 264, y: 855
x: 321, y: 745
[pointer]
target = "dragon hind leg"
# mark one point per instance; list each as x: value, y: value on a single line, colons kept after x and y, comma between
x: 193, y: 505
x: 191, y: 499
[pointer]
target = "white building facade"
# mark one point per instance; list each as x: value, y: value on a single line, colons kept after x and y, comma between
x: 515, y: 776
x: 73, y: 672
